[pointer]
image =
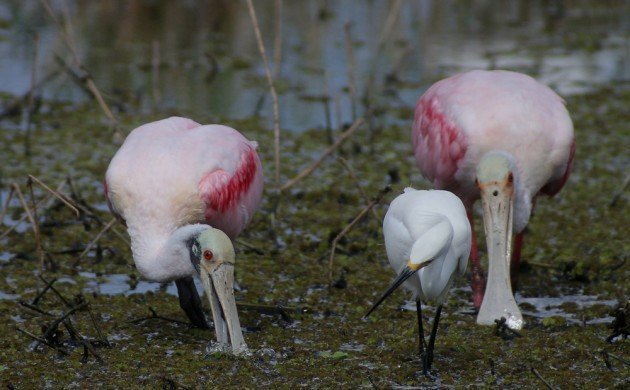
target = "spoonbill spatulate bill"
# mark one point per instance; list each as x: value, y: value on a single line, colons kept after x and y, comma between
x: 184, y: 192
x: 427, y: 239
x: 506, y: 138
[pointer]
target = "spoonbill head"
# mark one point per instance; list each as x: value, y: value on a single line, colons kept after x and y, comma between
x: 184, y: 191
x: 427, y: 239
x: 506, y: 138
x: 212, y: 256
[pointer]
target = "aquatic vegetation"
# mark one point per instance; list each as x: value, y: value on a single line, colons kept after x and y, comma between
x: 578, y: 227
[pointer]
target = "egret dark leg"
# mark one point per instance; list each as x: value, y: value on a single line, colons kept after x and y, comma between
x: 436, y: 321
x: 516, y: 258
x: 478, y: 280
x: 189, y: 301
x: 421, y: 342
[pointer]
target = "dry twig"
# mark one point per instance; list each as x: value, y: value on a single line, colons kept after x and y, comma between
x: 390, y: 22
x: 25, y: 216
x: 95, y: 240
x: 155, y: 316
x: 155, y: 73
x: 66, y: 32
x: 351, y: 67
x: 6, y: 205
x: 67, y: 201
x: 42, y: 341
x: 535, y: 372
x: 345, y: 230
x: 29, y: 110
x: 34, y: 226
x: 622, y: 189
x: 325, y: 154
x: 354, y: 178
x: 277, y: 43
x: 274, y: 96
x: 53, y: 326
x: 41, y: 293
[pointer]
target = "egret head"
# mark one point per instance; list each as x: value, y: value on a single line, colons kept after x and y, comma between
x: 212, y: 256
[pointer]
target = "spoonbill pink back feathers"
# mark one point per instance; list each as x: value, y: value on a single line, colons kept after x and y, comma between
x: 182, y: 189
x: 504, y: 137
x: 428, y: 240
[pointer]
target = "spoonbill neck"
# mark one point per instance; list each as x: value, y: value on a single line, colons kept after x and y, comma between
x: 163, y: 255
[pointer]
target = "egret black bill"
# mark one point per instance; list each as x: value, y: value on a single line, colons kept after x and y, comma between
x: 400, y: 279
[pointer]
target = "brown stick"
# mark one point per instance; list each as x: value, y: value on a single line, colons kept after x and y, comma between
x: 89, y: 212
x: 6, y: 205
x: 41, y: 340
x: 274, y: 96
x: 354, y: 178
x: 101, y: 337
x: 325, y: 154
x: 41, y: 294
x: 35, y: 308
x: 326, y: 102
x: 535, y: 372
x: 156, y: 316
x: 67, y: 201
x: 57, y: 293
x: 155, y: 72
x: 250, y: 246
x: 345, y: 230
x: 29, y: 111
x: 351, y: 66
x: 59, y: 320
x: 85, y: 75
x: 277, y: 43
x: 622, y: 189
x: 34, y: 226
x: 14, y: 106
x: 170, y: 383
x: 95, y: 240
x: 87, y: 344
x: 624, y: 361
x: 392, y: 17
x: 25, y: 216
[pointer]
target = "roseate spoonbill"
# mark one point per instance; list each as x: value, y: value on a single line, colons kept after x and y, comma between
x: 428, y: 234
x: 184, y: 190
x: 506, y: 138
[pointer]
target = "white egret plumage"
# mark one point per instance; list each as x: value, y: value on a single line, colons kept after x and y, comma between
x: 427, y: 239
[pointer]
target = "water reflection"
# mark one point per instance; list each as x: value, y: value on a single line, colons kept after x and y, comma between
x: 201, y: 57
x: 117, y: 284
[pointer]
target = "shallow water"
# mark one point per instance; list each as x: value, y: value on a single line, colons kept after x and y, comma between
x: 575, y: 254
x: 209, y: 46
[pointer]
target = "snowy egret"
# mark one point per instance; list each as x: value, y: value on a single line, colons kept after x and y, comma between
x: 427, y: 234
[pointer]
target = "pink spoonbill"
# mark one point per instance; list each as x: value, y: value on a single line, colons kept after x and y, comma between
x: 184, y: 191
x: 506, y: 138
x: 427, y: 239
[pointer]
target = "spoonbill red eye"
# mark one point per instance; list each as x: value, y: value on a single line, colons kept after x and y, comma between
x: 207, y: 254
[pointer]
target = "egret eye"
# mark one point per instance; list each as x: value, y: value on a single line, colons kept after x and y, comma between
x: 208, y: 255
